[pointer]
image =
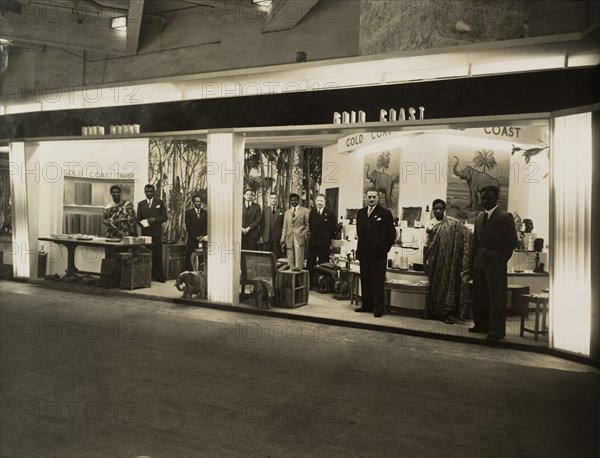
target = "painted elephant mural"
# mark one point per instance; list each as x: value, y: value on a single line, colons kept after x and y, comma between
x: 383, y: 182
x: 477, y: 180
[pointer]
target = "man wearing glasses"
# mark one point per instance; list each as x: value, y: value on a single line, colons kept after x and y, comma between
x: 376, y: 234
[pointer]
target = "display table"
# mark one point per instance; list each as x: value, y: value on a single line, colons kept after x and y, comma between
x: 406, y: 287
x: 72, y: 243
x: 329, y: 276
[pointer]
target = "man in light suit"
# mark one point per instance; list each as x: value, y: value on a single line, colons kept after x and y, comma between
x: 151, y: 214
x: 494, y: 239
x: 295, y: 232
x: 376, y: 234
x: 250, y: 222
x: 321, y: 225
x: 196, y: 225
x: 271, y: 226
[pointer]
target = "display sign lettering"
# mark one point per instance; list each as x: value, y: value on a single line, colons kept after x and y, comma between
x: 353, y: 117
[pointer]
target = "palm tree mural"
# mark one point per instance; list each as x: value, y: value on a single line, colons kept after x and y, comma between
x: 484, y: 159
x: 383, y: 161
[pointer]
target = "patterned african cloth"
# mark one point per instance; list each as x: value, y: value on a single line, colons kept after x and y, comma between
x: 119, y: 219
x: 447, y: 254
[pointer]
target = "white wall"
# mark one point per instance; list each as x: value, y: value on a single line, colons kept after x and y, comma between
x: 424, y: 171
x: 48, y: 162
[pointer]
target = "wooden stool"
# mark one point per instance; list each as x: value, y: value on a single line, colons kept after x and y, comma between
x: 541, y: 305
x: 291, y: 288
x: 405, y: 288
x: 516, y: 302
x: 197, y: 259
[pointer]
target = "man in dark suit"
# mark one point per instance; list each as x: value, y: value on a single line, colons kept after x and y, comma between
x: 196, y: 225
x: 271, y: 224
x: 376, y: 234
x: 151, y: 214
x: 321, y: 226
x: 250, y: 222
x: 494, y: 239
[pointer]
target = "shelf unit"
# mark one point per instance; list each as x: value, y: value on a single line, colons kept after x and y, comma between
x: 84, y: 200
x: 291, y: 288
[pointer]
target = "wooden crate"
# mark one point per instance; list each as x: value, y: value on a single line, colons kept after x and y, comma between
x: 291, y: 288
x: 136, y: 269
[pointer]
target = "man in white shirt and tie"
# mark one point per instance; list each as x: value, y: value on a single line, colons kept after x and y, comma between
x: 295, y: 232
x: 321, y: 224
x: 271, y: 226
x: 151, y: 214
x: 196, y: 225
x: 250, y: 222
x: 494, y: 239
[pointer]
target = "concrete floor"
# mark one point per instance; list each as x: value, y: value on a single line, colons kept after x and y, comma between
x: 91, y: 376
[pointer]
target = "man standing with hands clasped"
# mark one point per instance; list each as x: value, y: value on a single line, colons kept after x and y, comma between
x: 494, y: 240
x: 376, y: 234
x: 294, y: 232
x: 151, y: 214
x: 321, y: 224
x: 250, y: 221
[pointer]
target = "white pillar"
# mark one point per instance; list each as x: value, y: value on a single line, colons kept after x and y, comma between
x: 225, y: 171
x: 20, y: 219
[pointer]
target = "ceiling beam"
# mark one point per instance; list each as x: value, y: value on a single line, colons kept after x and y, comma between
x: 285, y: 14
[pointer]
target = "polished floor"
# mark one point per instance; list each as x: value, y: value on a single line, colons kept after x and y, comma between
x: 92, y: 376
x: 322, y: 308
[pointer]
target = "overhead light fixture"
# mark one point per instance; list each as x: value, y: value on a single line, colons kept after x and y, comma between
x: 119, y: 22
x: 263, y: 4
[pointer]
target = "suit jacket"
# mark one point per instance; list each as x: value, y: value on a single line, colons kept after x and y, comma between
x: 195, y: 226
x: 158, y: 210
x: 271, y: 225
x: 295, y: 229
x: 251, y: 218
x: 376, y: 233
x: 321, y: 227
x: 494, y: 243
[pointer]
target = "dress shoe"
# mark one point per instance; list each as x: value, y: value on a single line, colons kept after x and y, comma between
x: 447, y: 320
x: 362, y: 310
x: 378, y: 314
x: 493, y: 339
x: 478, y: 330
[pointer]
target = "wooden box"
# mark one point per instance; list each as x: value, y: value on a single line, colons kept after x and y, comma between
x: 136, y: 269
x: 291, y: 288
x: 173, y: 259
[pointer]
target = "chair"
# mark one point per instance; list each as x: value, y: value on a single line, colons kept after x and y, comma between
x: 257, y: 265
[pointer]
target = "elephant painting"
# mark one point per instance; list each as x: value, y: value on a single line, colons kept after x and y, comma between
x: 477, y: 180
x: 383, y: 182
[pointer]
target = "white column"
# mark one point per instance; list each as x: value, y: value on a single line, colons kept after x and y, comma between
x: 225, y: 171
x: 570, y: 233
x: 20, y: 219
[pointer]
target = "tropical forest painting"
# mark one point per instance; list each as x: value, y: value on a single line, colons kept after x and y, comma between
x: 293, y: 169
x: 177, y: 168
x: 469, y: 170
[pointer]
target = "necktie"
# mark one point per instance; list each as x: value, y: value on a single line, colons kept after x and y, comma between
x: 273, y: 210
x: 319, y: 212
x: 369, y: 211
x: 198, y: 213
x: 485, y: 218
x: 294, y: 214
x: 149, y: 202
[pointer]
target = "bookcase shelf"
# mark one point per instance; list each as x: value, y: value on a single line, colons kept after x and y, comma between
x: 84, y: 200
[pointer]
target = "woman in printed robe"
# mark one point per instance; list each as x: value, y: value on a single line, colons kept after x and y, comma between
x: 119, y: 216
x: 446, y: 257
